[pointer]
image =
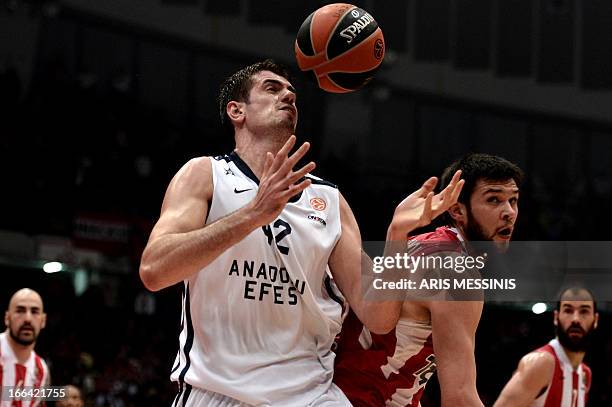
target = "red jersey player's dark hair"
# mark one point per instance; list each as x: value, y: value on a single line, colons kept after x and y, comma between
x: 477, y: 166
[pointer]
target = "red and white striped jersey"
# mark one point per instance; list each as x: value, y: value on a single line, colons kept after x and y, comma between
x: 34, y: 373
x: 568, y: 387
x: 391, y: 369
x: 384, y: 370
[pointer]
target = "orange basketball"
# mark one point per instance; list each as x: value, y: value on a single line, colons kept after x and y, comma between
x: 342, y: 45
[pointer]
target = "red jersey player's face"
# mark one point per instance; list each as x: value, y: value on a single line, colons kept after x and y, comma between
x: 25, y: 318
x: 271, y: 103
x: 576, y: 319
x: 493, y: 211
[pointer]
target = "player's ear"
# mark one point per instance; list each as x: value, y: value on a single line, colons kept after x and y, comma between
x: 555, y: 317
x: 596, y: 320
x: 235, y: 111
x: 43, y: 320
x: 6, y: 319
x: 458, y: 212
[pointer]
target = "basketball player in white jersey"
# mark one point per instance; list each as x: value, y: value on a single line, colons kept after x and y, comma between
x: 554, y: 375
x: 434, y: 336
x: 255, y: 243
x: 20, y: 366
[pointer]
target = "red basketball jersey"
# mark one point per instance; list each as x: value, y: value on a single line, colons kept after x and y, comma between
x: 568, y: 387
x: 390, y: 369
x: 13, y: 375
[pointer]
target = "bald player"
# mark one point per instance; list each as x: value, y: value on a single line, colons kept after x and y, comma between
x: 554, y: 375
x: 20, y: 366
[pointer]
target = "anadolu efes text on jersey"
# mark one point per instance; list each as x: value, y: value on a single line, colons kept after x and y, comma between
x: 263, y: 280
x: 265, y: 308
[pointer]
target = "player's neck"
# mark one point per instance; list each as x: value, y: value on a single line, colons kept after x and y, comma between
x: 575, y: 358
x: 22, y: 352
x: 252, y: 149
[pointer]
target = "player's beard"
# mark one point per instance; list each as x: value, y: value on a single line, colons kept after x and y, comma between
x: 574, y: 344
x: 23, y: 341
x: 473, y: 229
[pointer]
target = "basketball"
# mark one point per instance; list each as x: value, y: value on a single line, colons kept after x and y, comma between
x: 342, y: 45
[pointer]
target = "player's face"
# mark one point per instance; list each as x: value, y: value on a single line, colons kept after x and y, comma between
x: 271, y: 103
x: 493, y: 211
x: 25, y: 318
x: 575, y: 322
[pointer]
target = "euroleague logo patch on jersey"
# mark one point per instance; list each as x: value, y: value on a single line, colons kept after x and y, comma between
x: 318, y: 204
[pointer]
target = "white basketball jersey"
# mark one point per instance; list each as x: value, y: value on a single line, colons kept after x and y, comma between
x: 259, y: 321
x: 13, y: 375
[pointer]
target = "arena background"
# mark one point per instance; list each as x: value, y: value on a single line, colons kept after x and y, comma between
x: 103, y: 101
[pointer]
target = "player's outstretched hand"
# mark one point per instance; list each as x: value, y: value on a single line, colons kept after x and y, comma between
x: 279, y: 182
x: 422, y: 206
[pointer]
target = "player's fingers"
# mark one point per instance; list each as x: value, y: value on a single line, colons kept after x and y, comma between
x: 301, y: 172
x: 448, y: 192
x: 282, y: 154
x: 429, y: 186
x: 456, y: 192
x: 267, y: 164
x: 422, y: 192
x: 295, y: 189
x: 427, y: 210
x: 456, y: 177
x: 288, y: 165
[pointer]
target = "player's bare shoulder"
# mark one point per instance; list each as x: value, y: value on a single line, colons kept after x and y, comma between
x: 195, y: 178
x: 538, y: 365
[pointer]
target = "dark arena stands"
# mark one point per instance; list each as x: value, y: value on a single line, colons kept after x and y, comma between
x: 103, y: 101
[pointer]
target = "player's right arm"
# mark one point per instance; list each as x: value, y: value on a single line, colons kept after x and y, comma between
x: 181, y: 244
x: 533, y: 375
x: 454, y: 326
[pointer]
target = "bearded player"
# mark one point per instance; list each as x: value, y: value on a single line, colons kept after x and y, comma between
x: 393, y: 369
x: 554, y: 375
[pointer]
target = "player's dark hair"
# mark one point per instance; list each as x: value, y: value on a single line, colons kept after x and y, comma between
x: 478, y: 166
x: 238, y: 86
x: 575, y: 291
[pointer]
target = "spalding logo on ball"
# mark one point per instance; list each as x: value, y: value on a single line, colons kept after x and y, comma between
x: 342, y: 45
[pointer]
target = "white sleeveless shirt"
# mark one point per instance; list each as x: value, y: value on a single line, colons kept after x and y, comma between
x: 259, y: 321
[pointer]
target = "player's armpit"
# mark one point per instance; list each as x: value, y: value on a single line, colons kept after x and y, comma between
x: 454, y: 326
x: 533, y: 374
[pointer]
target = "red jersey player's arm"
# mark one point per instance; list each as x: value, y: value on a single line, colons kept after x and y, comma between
x: 345, y: 263
x: 348, y: 258
x: 454, y: 326
x: 534, y: 373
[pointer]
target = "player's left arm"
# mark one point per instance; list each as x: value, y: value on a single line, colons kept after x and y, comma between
x: 533, y: 375
x: 348, y: 258
x: 454, y: 326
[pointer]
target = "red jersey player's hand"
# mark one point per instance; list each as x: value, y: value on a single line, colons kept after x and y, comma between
x: 422, y: 206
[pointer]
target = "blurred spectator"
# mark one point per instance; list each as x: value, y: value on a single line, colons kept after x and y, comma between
x: 74, y: 398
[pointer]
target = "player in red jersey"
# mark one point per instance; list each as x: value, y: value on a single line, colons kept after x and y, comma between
x: 554, y: 375
x: 20, y: 366
x: 430, y: 336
